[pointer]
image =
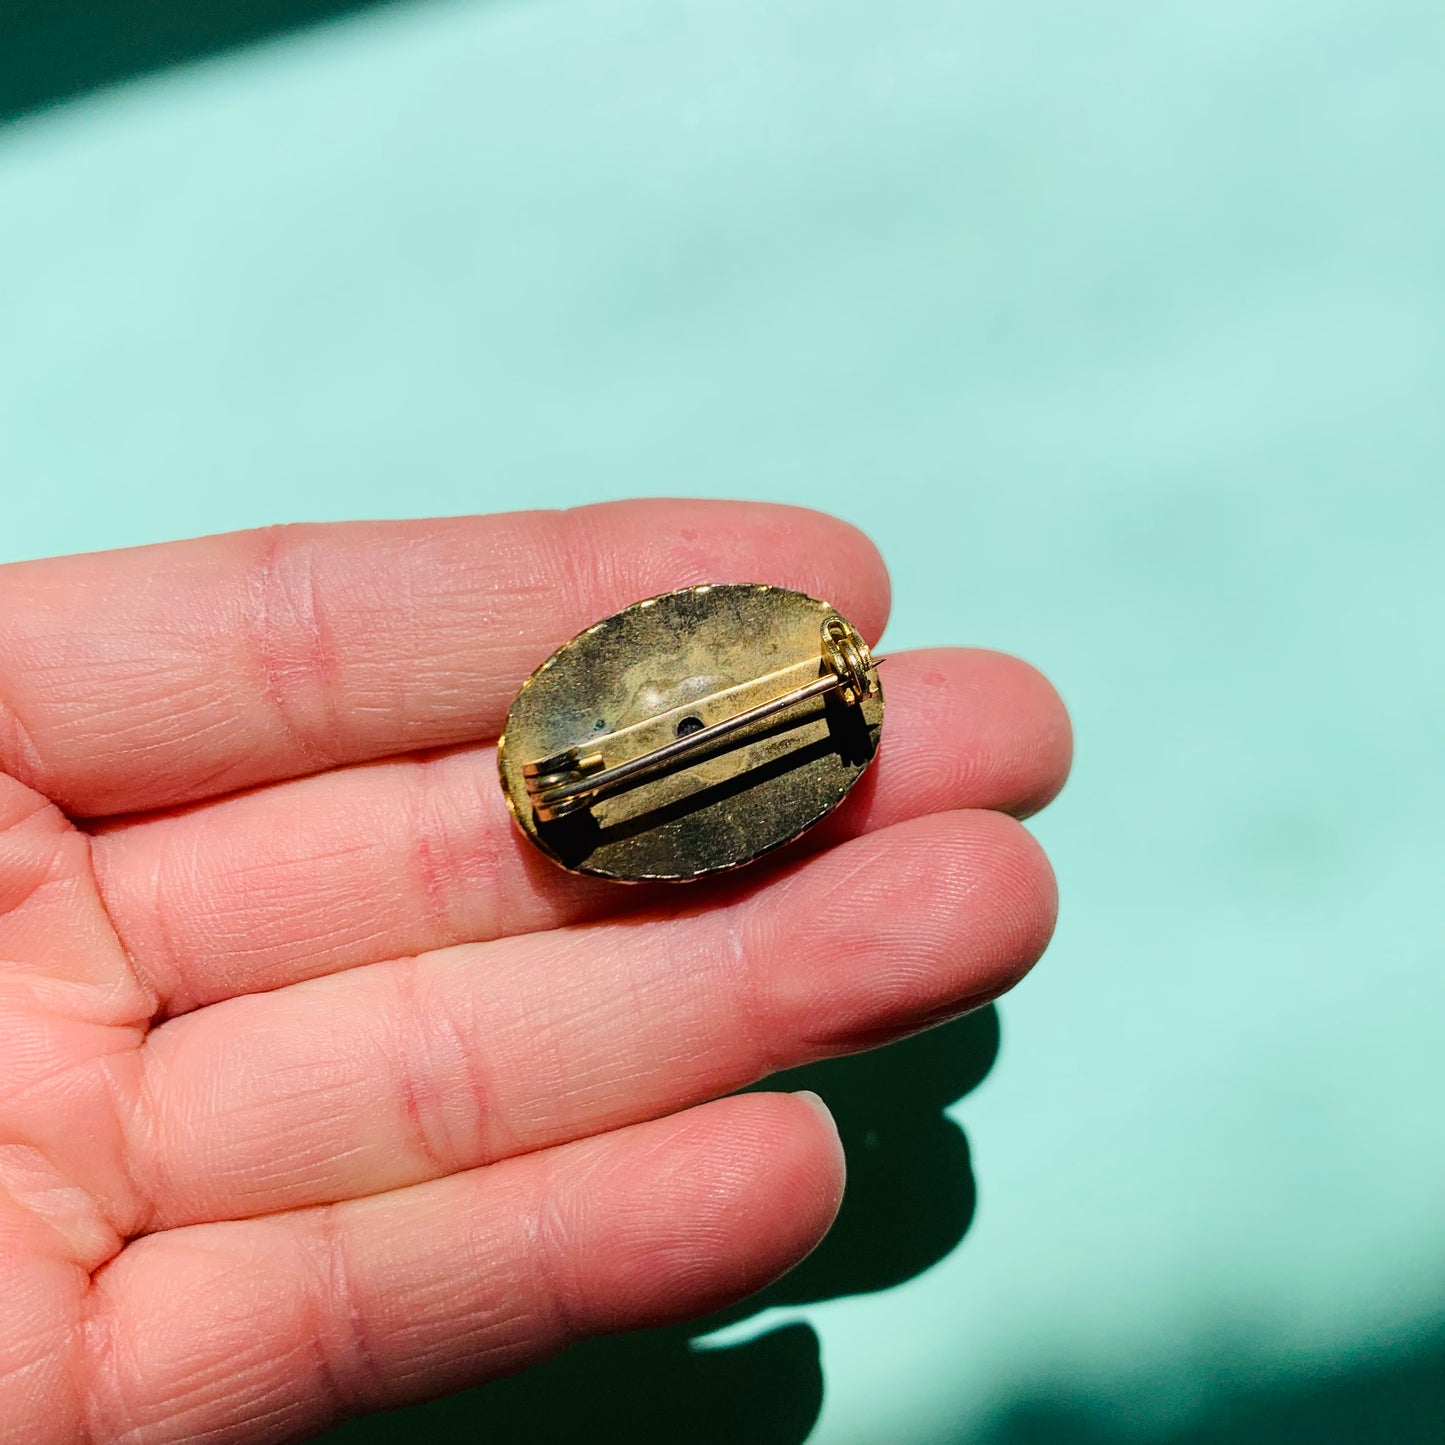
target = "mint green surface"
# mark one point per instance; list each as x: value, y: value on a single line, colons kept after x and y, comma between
x: 1122, y: 329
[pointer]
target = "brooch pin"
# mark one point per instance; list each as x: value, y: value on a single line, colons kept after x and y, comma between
x: 691, y: 732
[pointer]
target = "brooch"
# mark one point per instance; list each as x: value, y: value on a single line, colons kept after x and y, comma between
x: 691, y: 733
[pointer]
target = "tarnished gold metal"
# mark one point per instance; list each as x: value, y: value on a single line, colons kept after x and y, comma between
x: 691, y: 733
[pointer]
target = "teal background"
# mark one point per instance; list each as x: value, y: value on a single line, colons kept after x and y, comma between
x: 1122, y: 328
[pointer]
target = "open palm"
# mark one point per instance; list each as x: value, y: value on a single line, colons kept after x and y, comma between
x: 320, y: 1091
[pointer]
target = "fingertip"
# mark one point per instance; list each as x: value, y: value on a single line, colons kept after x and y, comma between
x: 902, y: 928
x: 828, y: 1143
x: 1049, y: 744
x: 1019, y: 737
x: 824, y: 1114
x: 1027, y: 895
x: 794, y: 1184
x: 996, y: 895
x: 724, y: 1199
x: 824, y: 1147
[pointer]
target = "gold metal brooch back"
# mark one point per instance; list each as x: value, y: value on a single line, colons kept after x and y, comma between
x: 691, y: 732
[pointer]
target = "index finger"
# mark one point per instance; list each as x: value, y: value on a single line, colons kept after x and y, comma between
x: 159, y: 675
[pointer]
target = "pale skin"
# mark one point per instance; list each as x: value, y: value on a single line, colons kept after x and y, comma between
x: 320, y: 1090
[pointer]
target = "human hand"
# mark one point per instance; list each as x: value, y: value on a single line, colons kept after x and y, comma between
x: 320, y: 1091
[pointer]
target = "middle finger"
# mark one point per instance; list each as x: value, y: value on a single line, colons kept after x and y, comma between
x: 368, y: 863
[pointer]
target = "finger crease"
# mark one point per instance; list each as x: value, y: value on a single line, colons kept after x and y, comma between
x: 19, y: 755
x: 546, y: 1235
x: 352, y: 1374
x: 292, y: 645
x: 432, y: 852
x: 449, y: 1126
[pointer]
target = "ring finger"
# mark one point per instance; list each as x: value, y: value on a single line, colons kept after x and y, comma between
x: 398, y: 1072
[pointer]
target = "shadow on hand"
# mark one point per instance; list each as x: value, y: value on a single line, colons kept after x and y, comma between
x: 53, y: 50
x: 909, y: 1201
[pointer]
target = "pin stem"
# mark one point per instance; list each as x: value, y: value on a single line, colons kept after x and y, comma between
x: 560, y: 799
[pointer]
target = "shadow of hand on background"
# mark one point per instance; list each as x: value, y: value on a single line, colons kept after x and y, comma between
x: 1380, y: 1392
x: 54, y: 50
x: 909, y: 1201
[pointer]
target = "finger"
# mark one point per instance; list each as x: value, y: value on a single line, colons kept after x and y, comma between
x: 402, y: 1071
x: 143, y: 678
x: 295, y: 1321
x: 310, y: 877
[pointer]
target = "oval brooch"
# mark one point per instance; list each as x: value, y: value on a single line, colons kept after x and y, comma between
x: 691, y: 732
